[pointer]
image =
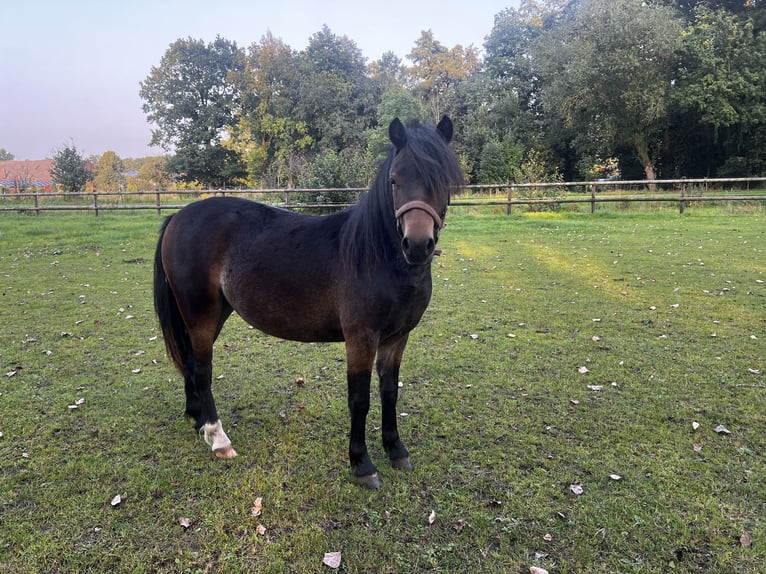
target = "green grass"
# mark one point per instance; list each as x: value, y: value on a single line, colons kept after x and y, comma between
x: 666, y: 312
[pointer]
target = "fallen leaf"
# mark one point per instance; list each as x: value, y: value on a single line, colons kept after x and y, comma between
x: 136, y: 371
x: 697, y: 447
x: 745, y: 541
x: 583, y: 370
x: 10, y: 374
x: 257, y: 507
x: 615, y: 477
x: 576, y: 489
x: 1, y: 434
x: 260, y: 530
x: 595, y: 387
x: 332, y: 559
x: 459, y: 525
x: 300, y: 381
x: 536, y: 570
x: 185, y: 522
x: 474, y: 336
x: 431, y: 517
x: 754, y: 371
x: 695, y: 425
x: 720, y: 429
x: 116, y: 500
x: 548, y: 537
x: 574, y: 401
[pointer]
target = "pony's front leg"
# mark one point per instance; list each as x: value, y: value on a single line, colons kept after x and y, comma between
x: 389, y: 359
x: 359, y: 358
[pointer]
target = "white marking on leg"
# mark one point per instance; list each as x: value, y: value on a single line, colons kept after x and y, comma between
x: 215, y: 437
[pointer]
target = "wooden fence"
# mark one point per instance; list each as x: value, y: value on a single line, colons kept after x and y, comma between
x: 681, y: 191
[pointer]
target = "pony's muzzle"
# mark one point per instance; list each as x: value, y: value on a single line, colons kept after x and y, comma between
x: 419, y: 236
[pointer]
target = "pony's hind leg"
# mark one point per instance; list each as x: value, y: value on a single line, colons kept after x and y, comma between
x: 202, y: 406
x: 389, y: 359
x: 198, y: 381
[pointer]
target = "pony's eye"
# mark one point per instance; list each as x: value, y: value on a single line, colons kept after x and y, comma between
x: 392, y: 181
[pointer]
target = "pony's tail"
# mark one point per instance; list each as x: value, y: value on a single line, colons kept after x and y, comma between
x: 174, y: 332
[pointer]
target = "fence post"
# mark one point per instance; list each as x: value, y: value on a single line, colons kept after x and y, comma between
x: 95, y: 202
x: 510, y: 198
x: 593, y: 198
x: 159, y: 205
x: 37, y: 203
x: 681, y: 205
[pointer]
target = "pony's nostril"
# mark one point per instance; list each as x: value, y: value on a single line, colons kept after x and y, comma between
x: 430, y: 246
x: 406, y: 245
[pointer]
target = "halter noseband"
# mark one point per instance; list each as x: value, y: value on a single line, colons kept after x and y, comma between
x: 423, y: 206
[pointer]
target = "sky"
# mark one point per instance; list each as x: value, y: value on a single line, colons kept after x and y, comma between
x: 70, y: 69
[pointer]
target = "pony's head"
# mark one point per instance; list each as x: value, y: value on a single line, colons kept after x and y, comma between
x: 423, y: 172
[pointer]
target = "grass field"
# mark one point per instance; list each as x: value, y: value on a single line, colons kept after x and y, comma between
x: 549, y: 403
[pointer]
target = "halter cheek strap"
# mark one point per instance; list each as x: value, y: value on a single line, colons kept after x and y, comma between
x: 423, y: 206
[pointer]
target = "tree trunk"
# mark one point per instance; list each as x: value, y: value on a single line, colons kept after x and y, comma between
x: 642, y: 150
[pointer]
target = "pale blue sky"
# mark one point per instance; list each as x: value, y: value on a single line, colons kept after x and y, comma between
x: 70, y: 69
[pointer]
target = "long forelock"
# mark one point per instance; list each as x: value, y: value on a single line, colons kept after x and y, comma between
x: 436, y: 164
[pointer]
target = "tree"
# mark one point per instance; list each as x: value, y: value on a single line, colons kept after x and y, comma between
x: 722, y: 87
x: 396, y: 103
x: 153, y: 175
x: 388, y: 72
x: 192, y: 98
x: 606, y: 70
x: 5, y: 155
x: 437, y: 70
x: 267, y: 135
x: 336, y: 98
x: 109, y: 173
x: 70, y: 170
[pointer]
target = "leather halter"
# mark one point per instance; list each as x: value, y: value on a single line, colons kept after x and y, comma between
x: 423, y: 206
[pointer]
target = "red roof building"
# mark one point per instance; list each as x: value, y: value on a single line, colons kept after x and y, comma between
x: 19, y: 175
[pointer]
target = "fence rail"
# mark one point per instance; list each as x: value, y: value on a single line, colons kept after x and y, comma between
x: 681, y: 191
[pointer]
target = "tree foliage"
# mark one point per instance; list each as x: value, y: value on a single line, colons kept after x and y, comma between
x: 657, y: 88
x: 70, y: 170
x: 606, y: 70
x: 191, y: 98
x: 109, y: 173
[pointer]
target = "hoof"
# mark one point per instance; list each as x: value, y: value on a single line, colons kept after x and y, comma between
x: 371, y: 481
x: 402, y: 463
x: 225, y: 452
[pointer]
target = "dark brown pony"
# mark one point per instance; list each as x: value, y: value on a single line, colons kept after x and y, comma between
x: 362, y: 276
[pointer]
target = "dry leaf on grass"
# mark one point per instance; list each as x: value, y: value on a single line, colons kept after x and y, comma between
x: 431, y: 517
x: 116, y: 500
x: 257, y: 507
x: 260, y: 530
x: 576, y: 489
x: 332, y: 559
x: 459, y: 525
x: 745, y: 541
x: 720, y: 429
x: 536, y: 570
x: 185, y: 522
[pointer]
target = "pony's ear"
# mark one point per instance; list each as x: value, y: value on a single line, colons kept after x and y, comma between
x: 445, y: 128
x: 397, y: 134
